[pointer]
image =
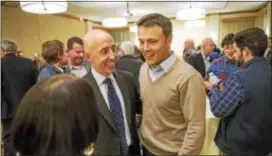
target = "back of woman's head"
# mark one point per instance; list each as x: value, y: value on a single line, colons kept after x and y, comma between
x: 56, y: 117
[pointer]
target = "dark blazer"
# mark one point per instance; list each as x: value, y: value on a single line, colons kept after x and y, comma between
x: 130, y: 64
x: 197, y: 61
x: 108, y: 141
x: 18, y: 74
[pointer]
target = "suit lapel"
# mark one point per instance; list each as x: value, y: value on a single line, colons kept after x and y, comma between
x: 100, y: 101
x: 125, y: 93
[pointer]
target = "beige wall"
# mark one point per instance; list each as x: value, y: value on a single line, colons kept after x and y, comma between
x: 31, y: 30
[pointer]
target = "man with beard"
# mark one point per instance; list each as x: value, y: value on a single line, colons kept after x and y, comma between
x: 244, y: 104
x: 225, y: 65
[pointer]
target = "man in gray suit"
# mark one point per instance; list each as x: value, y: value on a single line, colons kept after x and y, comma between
x: 116, y: 97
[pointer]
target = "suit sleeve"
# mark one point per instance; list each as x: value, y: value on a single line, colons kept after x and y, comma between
x: 136, y: 94
x: 34, y: 74
x: 191, y: 61
x: 193, y: 103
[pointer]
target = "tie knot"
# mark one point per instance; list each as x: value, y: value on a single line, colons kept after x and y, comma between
x: 108, y: 82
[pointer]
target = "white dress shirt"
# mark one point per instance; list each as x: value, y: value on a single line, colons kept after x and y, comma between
x: 157, y: 71
x: 206, y: 61
x: 104, y: 90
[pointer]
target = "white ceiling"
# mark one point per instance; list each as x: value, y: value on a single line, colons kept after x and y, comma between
x: 98, y: 10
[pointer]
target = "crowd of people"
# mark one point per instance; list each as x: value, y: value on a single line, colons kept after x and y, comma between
x: 127, y: 100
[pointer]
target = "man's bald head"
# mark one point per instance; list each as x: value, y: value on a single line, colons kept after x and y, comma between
x: 93, y: 38
x: 101, y: 47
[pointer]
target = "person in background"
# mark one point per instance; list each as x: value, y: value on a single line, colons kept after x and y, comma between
x: 120, y: 53
x: 173, y: 122
x: 116, y: 95
x: 138, y: 54
x: 77, y: 65
x: 56, y: 117
x: 18, y: 75
x: 198, y: 48
x: 54, y: 54
x: 201, y: 61
x: 268, y: 54
x: 216, y: 50
x: 20, y: 54
x: 189, y: 48
x: 225, y: 65
x: 38, y: 61
x: 244, y: 102
x: 129, y: 62
x: 213, y: 56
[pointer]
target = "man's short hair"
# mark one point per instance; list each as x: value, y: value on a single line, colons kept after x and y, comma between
x: 228, y: 39
x: 9, y: 46
x: 205, y: 41
x: 127, y: 47
x: 73, y: 40
x: 51, y: 50
x: 150, y: 20
x: 254, y: 39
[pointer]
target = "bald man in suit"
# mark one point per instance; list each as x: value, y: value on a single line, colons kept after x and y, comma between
x: 116, y: 97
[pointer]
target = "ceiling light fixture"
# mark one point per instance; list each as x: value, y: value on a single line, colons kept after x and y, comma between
x: 133, y: 28
x: 44, y: 6
x: 191, y: 13
x: 115, y: 22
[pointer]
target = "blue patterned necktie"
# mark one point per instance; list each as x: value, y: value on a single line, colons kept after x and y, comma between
x: 117, y: 115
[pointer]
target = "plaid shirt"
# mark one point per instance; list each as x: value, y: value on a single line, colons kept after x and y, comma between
x: 224, y: 102
x: 222, y: 68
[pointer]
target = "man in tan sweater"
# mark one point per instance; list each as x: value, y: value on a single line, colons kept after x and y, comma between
x: 172, y: 92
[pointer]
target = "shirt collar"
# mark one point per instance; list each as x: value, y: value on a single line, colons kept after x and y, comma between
x: 55, y: 68
x: 60, y: 69
x: 100, y: 78
x: 75, y: 67
x: 204, y: 58
x: 166, y: 64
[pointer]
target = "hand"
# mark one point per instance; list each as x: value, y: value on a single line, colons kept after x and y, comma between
x: 221, y: 86
x: 213, y: 81
x: 208, y: 85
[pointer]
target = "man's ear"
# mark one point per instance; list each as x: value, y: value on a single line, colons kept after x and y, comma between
x: 247, y: 52
x: 169, y: 39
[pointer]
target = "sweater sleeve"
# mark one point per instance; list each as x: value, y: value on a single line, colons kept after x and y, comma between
x: 193, y: 104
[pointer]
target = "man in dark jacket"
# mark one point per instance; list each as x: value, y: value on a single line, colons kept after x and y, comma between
x: 244, y: 104
x: 129, y: 62
x: 18, y: 74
